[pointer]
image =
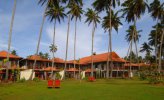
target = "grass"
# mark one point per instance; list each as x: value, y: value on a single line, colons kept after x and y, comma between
x: 112, y: 89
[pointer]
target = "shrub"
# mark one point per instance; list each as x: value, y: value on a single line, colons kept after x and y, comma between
x: 36, y: 79
x: 22, y: 80
x: 155, y: 78
x: 57, y: 76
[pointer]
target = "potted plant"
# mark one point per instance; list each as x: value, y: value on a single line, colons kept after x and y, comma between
x: 57, y: 80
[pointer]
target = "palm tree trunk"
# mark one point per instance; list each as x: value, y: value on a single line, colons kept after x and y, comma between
x: 159, y: 67
x: 79, y: 72
x: 10, y: 37
x: 130, y: 54
x: 93, y: 32
x: 127, y: 58
x: 110, y: 38
x: 53, y: 49
x: 65, y: 66
x: 38, y: 45
x: 156, y: 45
x: 135, y: 42
x: 75, y: 46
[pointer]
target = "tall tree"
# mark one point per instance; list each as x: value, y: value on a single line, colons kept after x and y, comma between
x: 131, y: 39
x: 146, y: 48
x: 55, y: 13
x: 155, y: 39
x: 14, y: 52
x: 41, y: 54
x: 69, y: 3
x: 10, y: 37
x: 132, y: 10
x: 92, y: 17
x: 157, y: 12
x: 106, y: 5
x: 109, y: 22
x: 46, y: 56
x: 75, y: 12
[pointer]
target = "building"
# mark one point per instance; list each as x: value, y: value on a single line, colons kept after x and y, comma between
x: 12, y: 65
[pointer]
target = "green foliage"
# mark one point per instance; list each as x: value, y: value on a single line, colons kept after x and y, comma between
x: 22, y: 80
x: 36, y: 79
x: 151, y: 75
x: 57, y: 76
x: 155, y: 78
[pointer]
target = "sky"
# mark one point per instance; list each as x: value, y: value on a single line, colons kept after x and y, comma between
x: 27, y: 23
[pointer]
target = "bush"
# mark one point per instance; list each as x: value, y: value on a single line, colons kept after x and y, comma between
x: 155, y: 78
x: 143, y: 76
x: 22, y: 80
x: 36, y: 79
x: 57, y: 76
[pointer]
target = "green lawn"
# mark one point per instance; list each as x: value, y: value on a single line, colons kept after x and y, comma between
x: 112, y: 89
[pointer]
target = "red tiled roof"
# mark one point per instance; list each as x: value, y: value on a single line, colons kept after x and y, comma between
x: 3, y: 54
x: 72, y: 69
x: 72, y: 62
x: 89, y: 70
x: 101, y: 58
x: 38, y: 58
x: 136, y: 65
x: 50, y: 69
x: 58, y: 60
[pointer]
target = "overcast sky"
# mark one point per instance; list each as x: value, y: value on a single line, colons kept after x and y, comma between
x: 27, y: 23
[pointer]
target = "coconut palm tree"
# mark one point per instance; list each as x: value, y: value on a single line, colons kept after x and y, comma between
x: 69, y: 3
x: 49, y: 4
x: 10, y: 37
x: 46, y: 56
x: 75, y: 12
x: 41, y: 54
x: 156, y: 10
x: 92, y: 17
x: 106, y: 5
x: 130, y: 33
x: 132, y: 10
x: 109, y: 22
x: 130, y: 39
x: 14, y: 52
x: 156, y: 40
x: 146, y: 48
x: 53, y: 48
x: 55, y: 13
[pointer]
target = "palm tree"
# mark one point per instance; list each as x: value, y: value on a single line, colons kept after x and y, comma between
x: 55, y: 14
x: 156, y: 40
x: 101, y: 5
x: 69, y: 3
x: 133, y: 9
x: 130, y: 39
x: 148, y: 49
x: 48, y: 5
x: 92, y: 17
x: 41, y: 54
x: 75, y: 11
x: 10, y: 37
x: 107, y: 25
x: 130, y: 33
x: 53, y: 49
x: 156, y: 10
x: 14, y: 52
x: 46, y: 56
